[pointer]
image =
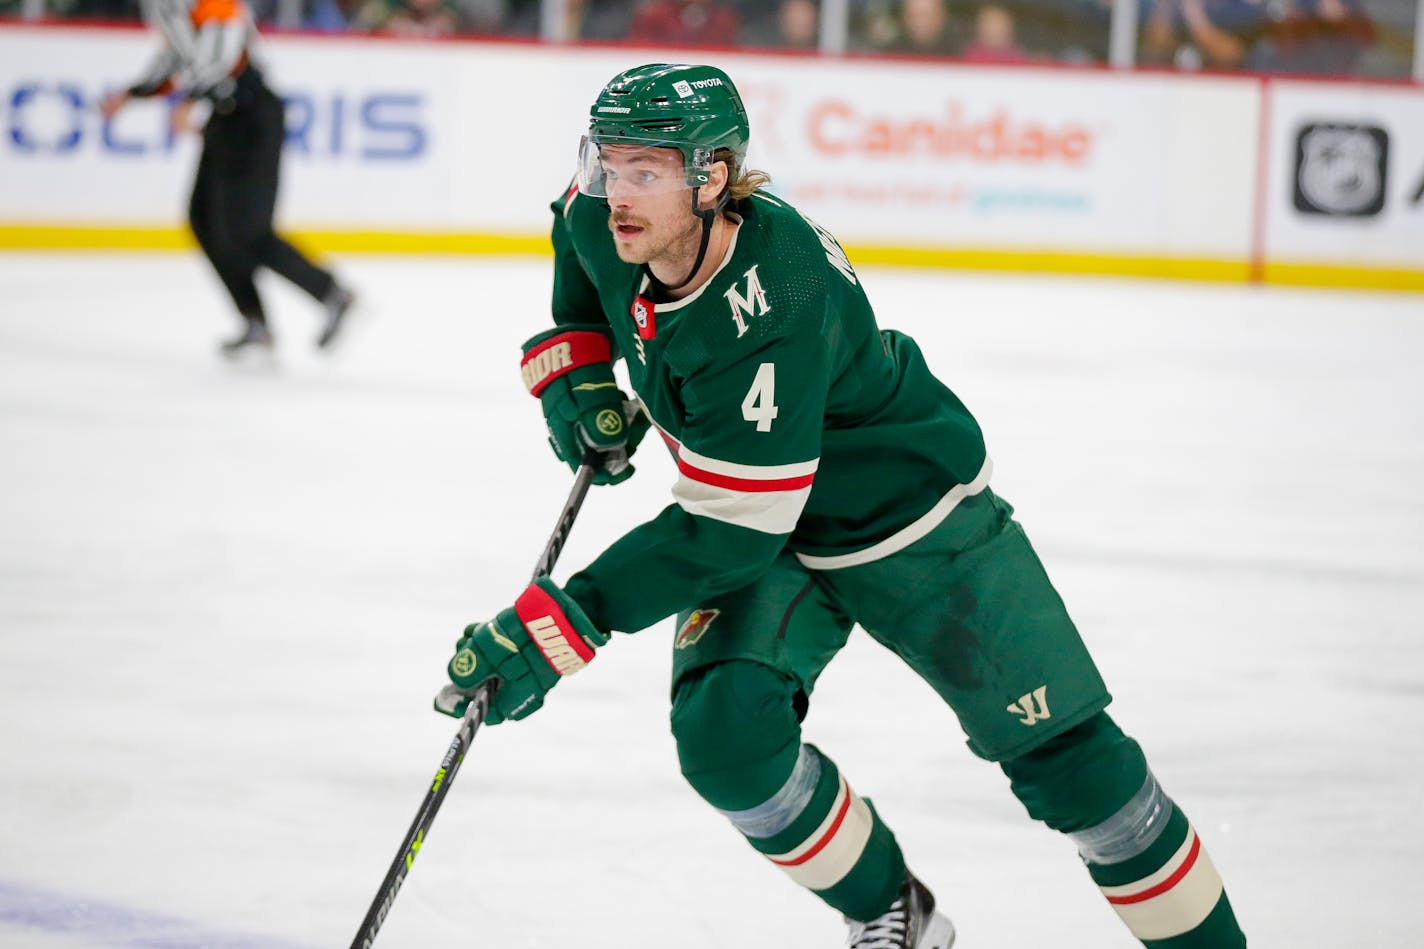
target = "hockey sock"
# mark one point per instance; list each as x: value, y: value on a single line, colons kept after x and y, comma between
x: 1169, y: 895
x: 1143, y: 854
x: 832, y: 841
x: 739, y: 743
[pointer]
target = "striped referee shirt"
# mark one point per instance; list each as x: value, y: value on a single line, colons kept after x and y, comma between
x: 207, y: 44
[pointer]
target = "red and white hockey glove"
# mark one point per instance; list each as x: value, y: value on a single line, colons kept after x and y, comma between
x: 527, y: 648
x: 570, y: 369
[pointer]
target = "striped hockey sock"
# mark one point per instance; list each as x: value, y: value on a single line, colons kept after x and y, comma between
x: 1152, y: 868
x: 827, y: 838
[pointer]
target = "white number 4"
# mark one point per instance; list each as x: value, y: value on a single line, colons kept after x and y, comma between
x: 759, y: 406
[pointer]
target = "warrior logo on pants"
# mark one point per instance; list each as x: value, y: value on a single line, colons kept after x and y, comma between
x: 1033, y: 706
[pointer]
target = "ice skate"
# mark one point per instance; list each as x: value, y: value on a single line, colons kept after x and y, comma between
x: 910, y: 923
x: 337, y: 303
x: 255, y: 337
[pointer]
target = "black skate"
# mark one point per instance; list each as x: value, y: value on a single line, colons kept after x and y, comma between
x: 255, y: 338
x: 910, y: 923
x: 337, y: 302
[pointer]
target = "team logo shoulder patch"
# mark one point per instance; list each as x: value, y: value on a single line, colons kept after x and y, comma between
x: 695, y: 628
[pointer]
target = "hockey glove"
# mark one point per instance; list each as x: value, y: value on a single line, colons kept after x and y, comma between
x: 526, y: 649
x: 570, y: 369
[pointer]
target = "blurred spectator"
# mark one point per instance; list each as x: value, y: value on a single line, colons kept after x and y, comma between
x: 583, y: 19
x: 1192, y: 34
x: 1090, y: 32
x: 597, y: 19
x: 100, y: 9
x: 994, y: 40
x: 1324, y: 37
x: 790, y: 24
x: 1069, y: 31
x: 686, y: 23
x: 348, y: 16
x: 324, y: 16
x: 798, y: 24
x: 873, y: 24
x: 423, y: 18
x: 78, y: 9
x: 481, y: 16
x: 925, y: 28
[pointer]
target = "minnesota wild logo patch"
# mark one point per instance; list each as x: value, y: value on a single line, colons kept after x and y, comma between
x: 695, y: 627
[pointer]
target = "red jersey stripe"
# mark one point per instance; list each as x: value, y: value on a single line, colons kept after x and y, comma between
x: 704, y: 476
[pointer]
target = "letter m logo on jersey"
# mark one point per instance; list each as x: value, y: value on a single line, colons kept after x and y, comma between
x: 753, y: 303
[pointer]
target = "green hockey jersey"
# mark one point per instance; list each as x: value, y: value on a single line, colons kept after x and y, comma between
x: 795, y: 421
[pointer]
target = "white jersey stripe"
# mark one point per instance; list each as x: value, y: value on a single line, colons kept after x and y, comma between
x: 731, y: 469
x: 770, y: 512
x: 901, y: 539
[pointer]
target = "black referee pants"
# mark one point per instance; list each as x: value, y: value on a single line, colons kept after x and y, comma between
x: 234, y: 197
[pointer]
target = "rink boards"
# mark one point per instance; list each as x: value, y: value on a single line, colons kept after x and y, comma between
x: 459, y: 146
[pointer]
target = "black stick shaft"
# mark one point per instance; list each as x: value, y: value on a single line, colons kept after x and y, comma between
x: 555, y: 546
x: 455, y: 754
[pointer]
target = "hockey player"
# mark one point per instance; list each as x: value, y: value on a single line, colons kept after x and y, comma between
x: 825, y: 478
x: 207, y: 54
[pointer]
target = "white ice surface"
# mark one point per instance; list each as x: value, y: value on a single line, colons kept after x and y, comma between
x: 227, y: 594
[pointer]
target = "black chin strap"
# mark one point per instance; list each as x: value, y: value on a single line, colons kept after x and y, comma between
x: 708, y: 217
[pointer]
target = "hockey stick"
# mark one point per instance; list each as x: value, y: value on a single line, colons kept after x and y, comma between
x: 455, y: 755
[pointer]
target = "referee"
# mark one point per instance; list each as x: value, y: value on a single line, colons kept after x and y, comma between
x: 207, y: 55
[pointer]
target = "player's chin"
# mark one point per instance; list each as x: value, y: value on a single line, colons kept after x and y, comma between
x: 629, y: 253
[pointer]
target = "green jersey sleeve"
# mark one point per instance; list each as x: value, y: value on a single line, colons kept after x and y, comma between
x: 575, y: 296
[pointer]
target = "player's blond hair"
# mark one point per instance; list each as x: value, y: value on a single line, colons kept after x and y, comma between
x: 743, y: 182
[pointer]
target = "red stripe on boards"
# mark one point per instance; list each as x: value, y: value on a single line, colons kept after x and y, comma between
x: 1166, y: 884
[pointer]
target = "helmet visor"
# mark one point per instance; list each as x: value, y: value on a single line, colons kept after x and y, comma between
x: 631, y: 168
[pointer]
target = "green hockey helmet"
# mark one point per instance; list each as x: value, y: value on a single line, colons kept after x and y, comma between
x: 694, y: 109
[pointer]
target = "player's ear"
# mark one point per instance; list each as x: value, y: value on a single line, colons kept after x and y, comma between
x: 716, y: 183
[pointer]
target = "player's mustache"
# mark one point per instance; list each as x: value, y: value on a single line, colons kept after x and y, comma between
x: 619, y: 220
